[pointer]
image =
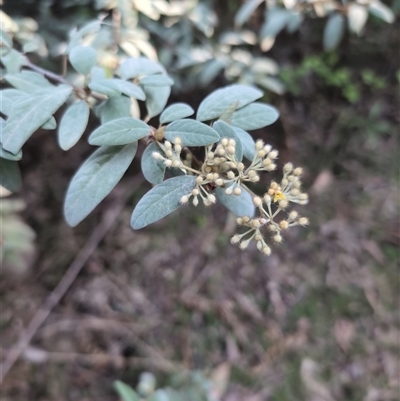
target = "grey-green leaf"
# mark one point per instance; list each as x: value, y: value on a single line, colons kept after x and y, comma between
x: 381, y: 11
x: 29, y: 114
x: 115, y: 86
x: 254, y: 116
x: 191, y: 133
x: 245, y: 11
x: 50, y: 124
x: 333, y: 32
x: 125, y: 392
x: 156, y: 80
x: 240, y: 205
x: 75, y: 37
x: 9, y: 97
x: 28, y: 81
x: 114, y: 108
x: 95, y: 179
x: 161, y: 200
x: 119, y: 132
x: 73, y: 124
x: 5, y: 39
x: 159, y: 395
x: 83, y: 58
x: 214, y: 104
x: 132, y: 67
x: 156, y: 98
x: 248, y: 145
x: 10, y: 175
x: 175, y: 112
x: 13, y: 61
x: 226, y: 131
x: 152, y: 169
x: 3, y: 153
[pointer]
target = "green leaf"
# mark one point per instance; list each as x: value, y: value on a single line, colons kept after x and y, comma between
x: 75, y: 37
x: 28, y: 81
x: 13, y: 61
x: 226, y: 131
x: 161, y: 200
x: 116, y: 87
x: 152, y: 169
x: 95, y: 179
x: 333, y: 32
x: 191, y: 132
x: 50, y: 124
x: 73, y: 124
x: 10, y: 175
x: 5, y: 39
x: 9, y: 97
x: 29, y: 114
x: 381, y: 11
x: 156, y: 80
x: 248, y: 145
x: 245, y: 11
x: 175, y: 112
x: 254, y: 116
x: 276, y: 20
x: 156, y: 99
x: 83, y: 58
x: 240, y: 205
x: 214, y: 104
x: 159, y: 395
x: 125, y: 392
x: 119, y: 132
x: 3, y: 153
x: 114, y: 108
x: 132, y: 67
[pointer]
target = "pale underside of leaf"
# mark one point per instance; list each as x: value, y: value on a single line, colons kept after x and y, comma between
x: 176, y: 112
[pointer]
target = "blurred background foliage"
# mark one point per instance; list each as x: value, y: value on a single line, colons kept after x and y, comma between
x: 316, y: 321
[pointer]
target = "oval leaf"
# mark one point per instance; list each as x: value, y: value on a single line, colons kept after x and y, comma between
x: 226, y: 131
x: 247, y: 141
x: 239, y: 205
x: 125, y: 392
x: 161, y: 200
x: 381, y: 11
x: 73, y: 124
x: 245, y: 11
x: 132, y: 67
x: 29, y: 114
x: 191, y: 132
x: 176, y: 112
x: 116, y: 87
x: 152, y: 169
x: 156, y: 99
x: 254, y: 116
x: 114, y: 108
x: 28, y: 81
x: 156, y: 80
x: 215, y: 103
x: 95, y: 179
x: 83, y: 58
x: 333, y: 32
x: 119, y: 132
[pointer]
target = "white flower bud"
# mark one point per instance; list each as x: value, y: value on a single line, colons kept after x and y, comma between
x: 235, y: 239
x: 167, y: 145
x: 177, y: 141
x: 195, y: 191
x: 199, y: 180
x: 184, y: 199
x: 211, y: 198
x: 157, y: 156
x: 176, y: 163
x: 266, y: 250
x: 195, y: 201
x: 237, y: 191
x: 231, y: 175
x: 287, y: 168
x: 224, y: 141
x: 168, y: 163
x: 228, y: 191
x: 244, y: 244
x: 257, y: 201
x: 219, y: 182
x: 298, y: 171
x: 303, y: 221
x: 277, y: 238
x: 259, y: 144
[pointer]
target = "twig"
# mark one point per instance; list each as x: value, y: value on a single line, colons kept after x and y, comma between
x: 65, y: 283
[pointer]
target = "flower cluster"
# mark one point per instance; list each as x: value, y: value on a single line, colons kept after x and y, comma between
x: 221, y: 168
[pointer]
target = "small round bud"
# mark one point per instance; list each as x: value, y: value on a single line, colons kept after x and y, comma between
x: 235, y: 239
x: 263, y: 221
x: 231, y: 150
x: 251, y: 173
x: 219, y: 182
x: 210, y: 176
x: 237, y: 191
x: 167, y: 145
x: 267, y: 199
x: 259, y: 245
x: 244, y: 244
x: 298, y: 171
x: 271, y: 167
x: 272, y: 227
x: 303, y: 197
x: 224, y: 141
x: 273, y: 154
x: 256, y: 178
x: 211, y: 198
x: 221, y: 151
x: 266, y: 250
x: 195, y: 191
x: 217, y: 161
x: 199, y: 180
x: 246, y: 219
x: 257, y: 201
x: 239, y: 221
x: 184, y: 199
x: 274, y: 185
x: 258, y: 237
x: 267, y: 148
x: 206, y: 202
x: 284, y: 224
x: 215, y: 176
x: 176, y: 163
x: 287, y: 168
x: 296, y: 184
x: 261, y: 153
x: 283, y: 204
x: 178, y: 148
x: 177, y: 141
x: 259, y: 144
x: 168, y: 163
x: 284, y: 182
x: 208, y: 169
x: 293, y: 215
x: 231, y: 175
x: 195, y: 201
x: 168, y: 153
x: 303, y: 221
x: 266, y: 162
x: 232, y: 142
x: 255, y: 223
x: 277, y: 238
x: 157, y: 156
x: 240, y: 166
x: 294, y: 192
x: 271, y: 191
x: 228, y: 191
x: 210, y: 155
x: 291, y: 178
